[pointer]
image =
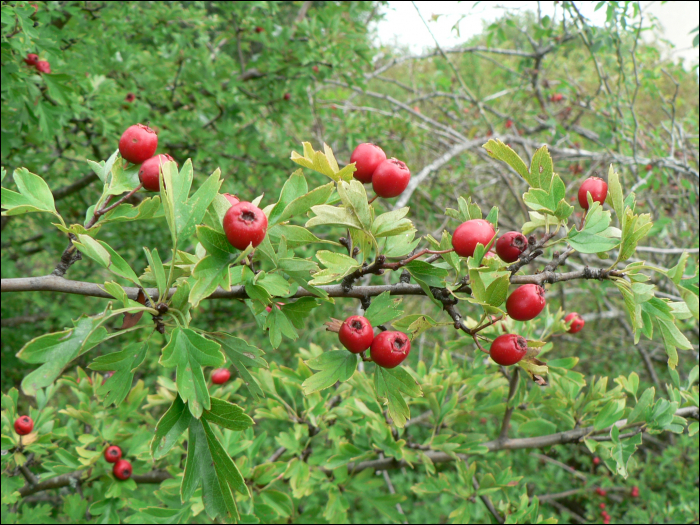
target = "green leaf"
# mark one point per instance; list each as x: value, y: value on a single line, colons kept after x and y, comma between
x: 611, y: 412
x: 333, y: 216
x: 354, y: 198
x: 34, y: 195
x: 427, y: 273
x: 294, y: 187
x: 597, y: 236
x: 301, y: 205
x: 209, y: 273
x: 322, y: 162
x: 391, y: 384
x: 242, y: 356
x: 383, y: 309
x: 227, y: 415
x: 173, y: 423
x: 498, y: 150
x: 299, y: 311
x: 334, y: 366
x: 148, y: 208
x: 541, y: 169
x: 392, y: 223
x: 189, y: 352
x: 622, y: 450
x: 103, y: 254
x: 123, y: 363
x: 278, y: 325
x: 640, y: 410
x: 58, y: 349
x: 337, y: 266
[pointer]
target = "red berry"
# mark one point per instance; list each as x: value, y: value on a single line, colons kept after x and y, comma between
x: 130, y: 97
x: 315, y: 69
x: 596, y: 460
x: 287, y: 96
x: 149, y: 173
x: 259, y: 29
x: 508, y: 349
x: 366, y: 158
x: 510, y: 245
x: 113, y: 454
x: 356, y: 334
x: 526, y: 302
x: 509, y: 124
x: 576, y: 326
x: 43, y: 66
x: 602, y: 505
x: 220, y: 376
x: 601, y: 492
x: 138, y: 143
x: 469, y: 234
x: 557, y: 97
x: 31, y: 59
x: 489, y: 133
x: 596, y: 187
x: 605, y: 515
x: 390, y: 178
x: 245, y: 224
x: 635, y: 492
x: 24, y: 425
x: 649, y: 167
x: 122, y: 469
x: 233, y: 199
x: 483, y: 420
x: 389, y: 349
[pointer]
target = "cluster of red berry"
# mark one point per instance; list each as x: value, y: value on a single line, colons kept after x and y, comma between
x: 389, y: 177
x: 122, y: 468
x: 138, y: 145
x: 42, y: 66
x: 388, y: 349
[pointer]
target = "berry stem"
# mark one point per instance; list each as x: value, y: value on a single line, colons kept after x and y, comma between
x: 372, y: 199
x: 478, y: 344
x: 104, y: 210
x: 492, y: 322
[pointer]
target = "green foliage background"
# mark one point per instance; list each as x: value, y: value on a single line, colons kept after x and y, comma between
x: 215, y: 87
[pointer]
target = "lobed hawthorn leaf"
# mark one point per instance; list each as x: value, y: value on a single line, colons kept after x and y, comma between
x: 242, y: 356
x: 295, y: 236
x: 323, y: 162
x: 105, y: 256
x: 169, y: 428
x: 390, y: 384
x: 123, y: 363
x: 383, y: 309
x: 354, y: 198
x: 327, y: 215
x: 34, y: 195
x: 334, y: 366
x: 156, y: 266
x: 623, y: 449
x: 337, y: 266
x: 596, y: 236
x: 227, y: 415
x: 392, y: 223
x: 278, y: 325
x: 188, y: 352
x: 294, y: 187
x: 500, y: 151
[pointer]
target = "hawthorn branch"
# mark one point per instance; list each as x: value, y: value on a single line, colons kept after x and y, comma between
x: 155, y: 476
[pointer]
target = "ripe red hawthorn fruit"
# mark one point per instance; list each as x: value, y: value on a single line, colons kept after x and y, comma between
x: 259, y: 29
x: 233, y: 199
x: 314, y: 69
x: 43, y: 66
x: 509, y: 124
x: 113, y: 454
x: 367, y: 157
x: 24, y: 425
x: 557, y: 97
x: 31, y: 59
x: 130, y: 97
x: 149, y: 174
x: 596, y: 460
x: 576, y: 326
x: 356, y: 334
x: 389, y: 349
x: 483, y: 420
x: 220, y: 376
x: 510, y: 245
x: 469, y: 234
x: 602, y: 506
x: 598, y: 189
x: 122, y: 470
x: 526, y: 302
x: 244, y: 224
x: 138, y: 143
x: 508, y: 349
x: 648, y: 167
x: 635, y: 492
x: 287, y: 96
x: 601, y: 492
x: 390, y: 178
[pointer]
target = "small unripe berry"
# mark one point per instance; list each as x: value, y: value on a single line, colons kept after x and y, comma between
x: 356, y: 334
x: 389, y: 349
x: 113, y: 454
x: 130, y: 97
x: 508, y: 349
x: 390, y: 178
x: 469, y: 234
x: 24, y: 425
x: 43, y: 66
x: 220, y: 376
x: 245, y: 224
x: 31, y: 59
x: 122, y: 470
x: 367, y: 157
x: 635, y: 492
x: 598, y: 189
x: 233, y: 199
x: 138, y: 143
x: 149, y: 174
x: 510, y: 245
x: 526, y: 302
x: 576, y: 321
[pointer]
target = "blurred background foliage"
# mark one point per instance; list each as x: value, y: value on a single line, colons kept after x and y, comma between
x: 239, y: 85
